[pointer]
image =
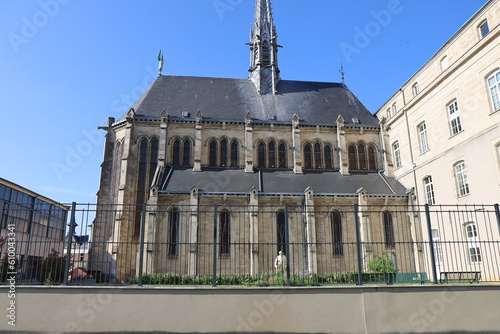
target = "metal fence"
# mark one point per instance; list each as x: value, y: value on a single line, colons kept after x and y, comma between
x: 221, y: 245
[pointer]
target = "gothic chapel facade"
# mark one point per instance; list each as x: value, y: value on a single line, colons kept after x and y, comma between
x: 235, y: 152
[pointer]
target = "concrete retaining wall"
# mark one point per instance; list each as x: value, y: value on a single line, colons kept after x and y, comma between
x: 383, y: 309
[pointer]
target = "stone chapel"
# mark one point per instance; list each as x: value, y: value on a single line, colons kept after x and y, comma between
x: 236, y: 152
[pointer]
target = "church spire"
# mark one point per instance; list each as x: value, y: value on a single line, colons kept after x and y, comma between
x: 264, y: 71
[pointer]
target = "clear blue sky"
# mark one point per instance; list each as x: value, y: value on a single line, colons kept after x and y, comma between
x: 67, y: 65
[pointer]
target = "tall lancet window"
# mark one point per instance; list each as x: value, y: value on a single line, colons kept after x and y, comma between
x: 186, y: 153
x: 282, y: 156
x: 148, y: 160
x: 272, y: 154
x: 223, y: 153
x: 234, y: 154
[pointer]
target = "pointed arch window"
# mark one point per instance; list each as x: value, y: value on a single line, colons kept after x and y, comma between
x: 328, y: 157
x: 224, y: 232
x: 281, y: 237
x: 186, y: 153
x: 147, y: 162
x: 173, y: 232
x: 212, y: 156
x: 116, y: 168
x: 234, y: 153
x: 362, y: 156
x: 176, y: 153
x: 389, y: 230
x: 223, y: 153
x: 272, y: 154
x: 338, y: 247
x: 282, y: 155
x: 153, y: 160
x: 353, y: 163
x: 372, y: 158
x: 317, y: 155
x: 307, y: 156
x: 261, y: 155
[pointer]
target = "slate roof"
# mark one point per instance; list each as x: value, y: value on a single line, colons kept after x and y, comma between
x: 230, y: 99
x: 276, y: 182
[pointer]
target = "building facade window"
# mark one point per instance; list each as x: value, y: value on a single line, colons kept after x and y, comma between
x: 390, y: 241
x: 494, y: 89
x: 271, y: 149
x: 429, y: 190
x: 353, y: 161
x: 328, y: 157
x: 212, y: 154
x: 389, y: 115
x: 484, y: 29
x: 261, y: 155
x: 234, y: 153
x: 473, y: 242
x: 422, y: 136
x: 173, y: 232
x: 223, y: 153
x: 117, y: 167
x: 444, y: 63
x: 147, y: 163
x: 282, y: 156
x: 414, y: 89
x: 186, y: 153
x: 461, y: 179
x: 397, y: 154
x: 454, y: 118
x: 181, y: 152
x: 224, y: 232
x: 360, y: 158
x: 307, y: 156
x: 394, y: 109
x: 436, y: 240
x: 280, y: 231
x: 338, y: 247
x: 317, y: 156
x: 176, y: 153
x: 372, y: 158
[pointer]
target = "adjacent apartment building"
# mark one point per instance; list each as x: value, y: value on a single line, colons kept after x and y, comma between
x: 442, y: 130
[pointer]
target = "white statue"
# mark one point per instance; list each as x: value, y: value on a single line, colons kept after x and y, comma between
x: 280, y: 262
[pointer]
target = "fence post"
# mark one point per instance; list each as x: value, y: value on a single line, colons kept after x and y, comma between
x: 214, y: 279
x: 431, y: 244
x: 287, y: 247
x: 497, y: 211
x: 72, y: 224
x: 141, y: 243
x: 358, y: 246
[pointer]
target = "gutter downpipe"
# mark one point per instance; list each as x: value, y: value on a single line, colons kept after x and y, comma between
x: 386, y: 183
x: 413, y: 164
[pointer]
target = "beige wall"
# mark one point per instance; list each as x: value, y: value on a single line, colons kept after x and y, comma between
x: 382, y: 309
x: 470, y: 61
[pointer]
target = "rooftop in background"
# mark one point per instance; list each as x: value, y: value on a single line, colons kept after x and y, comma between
x: 31, y: 193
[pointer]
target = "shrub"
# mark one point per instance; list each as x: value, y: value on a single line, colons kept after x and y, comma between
x: 382, y: 264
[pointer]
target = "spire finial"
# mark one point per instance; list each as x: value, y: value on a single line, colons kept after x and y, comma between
x: 342, y: 73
